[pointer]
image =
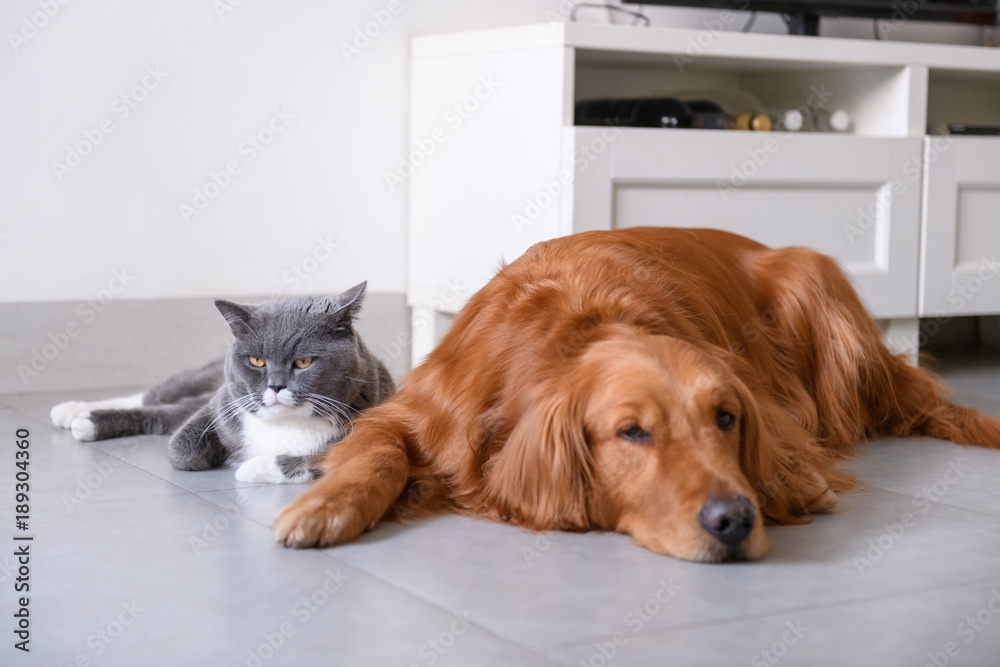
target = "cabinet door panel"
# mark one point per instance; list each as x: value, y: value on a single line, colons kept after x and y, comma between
x: 961, y: 227
x: 854, y: 198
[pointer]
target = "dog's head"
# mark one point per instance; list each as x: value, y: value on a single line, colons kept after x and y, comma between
x: 652, y: 437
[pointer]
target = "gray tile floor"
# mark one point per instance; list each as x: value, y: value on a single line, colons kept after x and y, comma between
x: 134, y: 563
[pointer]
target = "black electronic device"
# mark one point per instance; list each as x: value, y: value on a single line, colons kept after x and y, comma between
x: 642, y: 112
x: 975, y: 130
x: 803, y: 15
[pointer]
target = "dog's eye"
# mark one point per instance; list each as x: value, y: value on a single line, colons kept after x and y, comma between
x: 724, y: 419
x: 635, y: 434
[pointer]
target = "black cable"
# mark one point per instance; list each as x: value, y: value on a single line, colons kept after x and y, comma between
x: 636, y: 15
x: 750, y: 22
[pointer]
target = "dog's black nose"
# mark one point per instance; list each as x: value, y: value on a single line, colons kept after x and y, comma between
x: 728, y: 520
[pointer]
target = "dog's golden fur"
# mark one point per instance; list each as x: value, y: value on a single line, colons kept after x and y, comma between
x: 628, y: 381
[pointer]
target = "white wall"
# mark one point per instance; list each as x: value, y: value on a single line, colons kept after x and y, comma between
x: 65, y: 236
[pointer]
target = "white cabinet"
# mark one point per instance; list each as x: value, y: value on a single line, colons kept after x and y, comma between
x: 498, y: 167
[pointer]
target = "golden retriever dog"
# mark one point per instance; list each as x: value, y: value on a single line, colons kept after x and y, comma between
x: 684, y: 387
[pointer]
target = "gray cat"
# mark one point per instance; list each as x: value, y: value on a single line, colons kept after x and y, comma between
x: 294, y: 378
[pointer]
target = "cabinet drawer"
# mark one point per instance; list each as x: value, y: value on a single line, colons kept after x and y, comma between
x: 854, y: 198
x: 960, y: 227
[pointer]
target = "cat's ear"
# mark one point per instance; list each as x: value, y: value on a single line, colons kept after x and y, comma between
x: 237, y: 317
x: 349, y: 303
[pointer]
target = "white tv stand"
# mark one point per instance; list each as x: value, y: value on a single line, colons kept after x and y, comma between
x: 914, y: 218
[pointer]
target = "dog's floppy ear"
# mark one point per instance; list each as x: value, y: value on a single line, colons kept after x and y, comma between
x: 541, y: 476
x: 791, y: 474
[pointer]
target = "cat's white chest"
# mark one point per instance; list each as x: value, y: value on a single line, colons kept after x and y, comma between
x: 293, y: 435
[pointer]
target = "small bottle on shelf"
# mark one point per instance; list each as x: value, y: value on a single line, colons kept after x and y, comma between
x: 789, y: 120
x: 757, y: 122
x: 825, y: 120
x: 707, y: 115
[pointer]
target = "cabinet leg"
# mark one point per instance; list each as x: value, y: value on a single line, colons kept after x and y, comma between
x: 902, y: 336
x: 427, y: 327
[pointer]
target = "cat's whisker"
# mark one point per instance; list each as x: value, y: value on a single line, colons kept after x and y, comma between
x: 334, y: 414
x: 239, y: 405
x: 334, y: 401
x: 322, y: 398
x: 328, y: 411
x: 330, y: 408
x: 333, y: 418
x: 311, y: 330
x: 342, y: 409
x: 227, y: 411
x: 208, y: 427
x: 254, y: 332
x: 337, y: 420
x: 339, y: 409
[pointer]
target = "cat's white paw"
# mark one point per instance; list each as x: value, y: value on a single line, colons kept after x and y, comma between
x: 260, y: 469
x: 63, y: 414
x: 83, y: 429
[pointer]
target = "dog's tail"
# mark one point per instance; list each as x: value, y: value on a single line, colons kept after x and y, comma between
x: 918, y: 405
x: 965, y: 426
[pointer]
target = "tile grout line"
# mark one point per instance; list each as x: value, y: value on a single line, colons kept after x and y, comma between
x: 62, y: 392
x: 783, y: 612
x: 939, y: 502
x: 96, y: 445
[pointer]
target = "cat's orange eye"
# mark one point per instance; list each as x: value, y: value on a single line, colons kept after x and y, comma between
x: 303, y: 362
x: 259, y: 363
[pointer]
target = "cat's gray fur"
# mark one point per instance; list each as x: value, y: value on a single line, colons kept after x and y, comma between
x: 278, y: 420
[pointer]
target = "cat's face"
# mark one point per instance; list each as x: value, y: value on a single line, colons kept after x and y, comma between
x: 295, y: 357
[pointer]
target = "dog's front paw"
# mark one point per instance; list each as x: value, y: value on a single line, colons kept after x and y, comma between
x: 260, y: 470
x: 317, y: 519
x: 825, y: 504
x: 63, y: 414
